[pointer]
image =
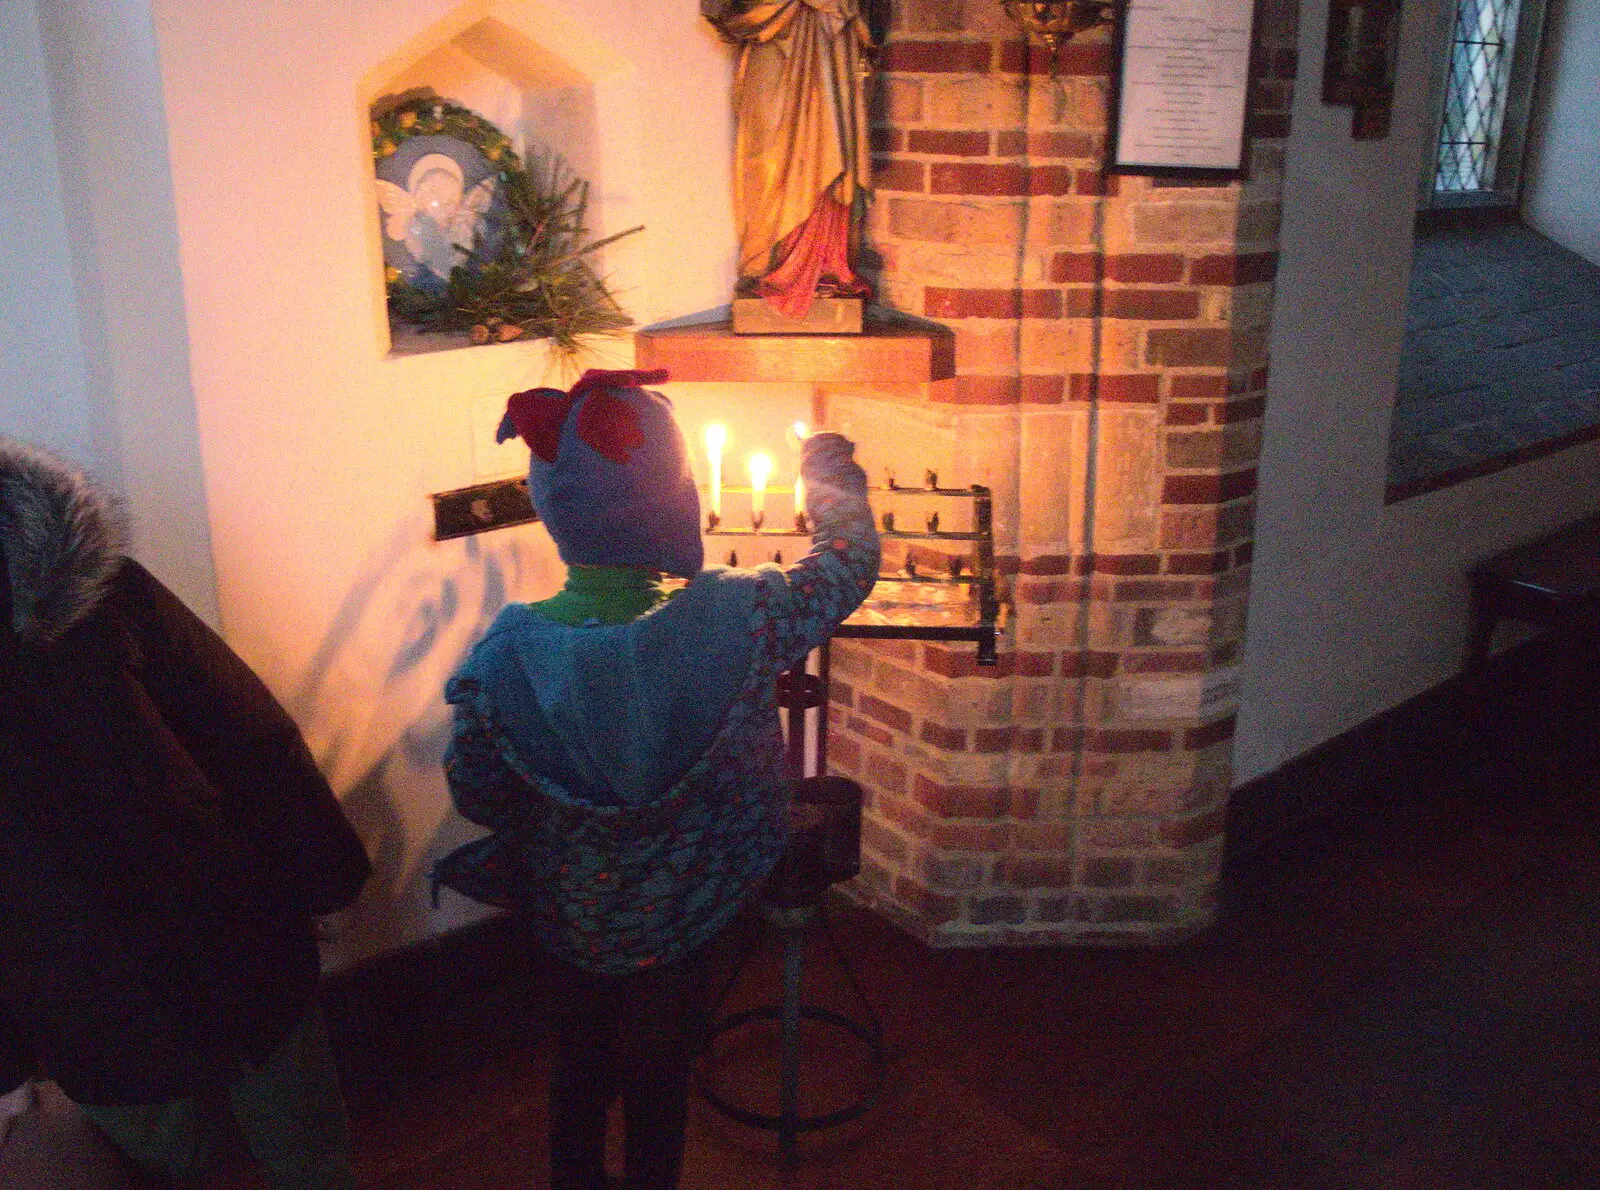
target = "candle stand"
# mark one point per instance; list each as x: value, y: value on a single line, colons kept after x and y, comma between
x: 910, y: 602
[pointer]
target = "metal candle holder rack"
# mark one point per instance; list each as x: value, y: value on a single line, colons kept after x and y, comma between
x: 973, y: 570
x: 825, y: 840
x: 800, y: 691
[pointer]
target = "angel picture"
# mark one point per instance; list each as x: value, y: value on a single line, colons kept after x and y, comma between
x: 435, y: 217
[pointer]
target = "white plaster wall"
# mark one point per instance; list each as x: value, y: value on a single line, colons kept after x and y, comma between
x: 1355, y: 607
x: 319, y: 449
x: 99, y: 358
x: 1561, y: 193
x: 43, y: 385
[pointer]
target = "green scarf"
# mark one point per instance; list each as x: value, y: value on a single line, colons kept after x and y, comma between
x: 609, y: 594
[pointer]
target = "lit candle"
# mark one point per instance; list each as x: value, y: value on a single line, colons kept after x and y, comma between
x: 800, y: 433
x: 716, y: 439
x: 760, y: 468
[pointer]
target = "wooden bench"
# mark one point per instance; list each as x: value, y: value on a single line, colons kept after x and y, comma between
x: 1552, y: 581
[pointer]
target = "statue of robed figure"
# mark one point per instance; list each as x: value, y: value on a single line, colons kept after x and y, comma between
x: 802, y: 171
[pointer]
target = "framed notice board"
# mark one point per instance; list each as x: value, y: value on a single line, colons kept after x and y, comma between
x: 1181, y: 89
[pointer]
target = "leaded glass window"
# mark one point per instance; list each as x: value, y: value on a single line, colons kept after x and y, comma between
x: 1475, y: 94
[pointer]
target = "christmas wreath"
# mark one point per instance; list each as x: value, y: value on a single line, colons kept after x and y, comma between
x: 522, y: 256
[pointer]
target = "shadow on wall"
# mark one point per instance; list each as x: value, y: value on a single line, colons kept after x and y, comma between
x: 371, y: 705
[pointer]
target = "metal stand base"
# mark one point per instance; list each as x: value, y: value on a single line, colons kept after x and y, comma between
x: 793, y: 925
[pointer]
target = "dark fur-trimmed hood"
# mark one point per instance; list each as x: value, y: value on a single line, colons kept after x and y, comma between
x: 62, y: 537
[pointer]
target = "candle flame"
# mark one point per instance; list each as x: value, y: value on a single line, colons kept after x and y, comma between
x: 716, y: 435
x: 759, y: 466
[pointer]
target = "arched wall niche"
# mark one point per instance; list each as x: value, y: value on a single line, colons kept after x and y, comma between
x: 551, y: 87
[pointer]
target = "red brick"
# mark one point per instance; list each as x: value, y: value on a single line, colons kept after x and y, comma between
x: 1184, y: 832
x: 1085, y: 302
x: 1211, y: 733
x: 1208, y: 489
x: 1092, y: 182
x: 1075, y: 58
x: 1089, y: 663
x: 935, y: 57
x: 1004, y: 390
x: 885, y: 713
x: 1214, y: 563
x: 1199, y: 388
x: 1040, y: 593
x: 1127, y: 563
x: 887, y: 140
x: 1075, y: 266
x: 886, y: 774
x: 950, y: 144
x: 871, y: 730
x: 880, y: 840
x: 1052, y: 180
x: 841, y: 693
x: 1008, y: 739
x: 1194, y: 348
x: 904, y: 814
x: 998, y: 910
x: 970, y: 836
x: 933, y: 908
x: 1151, y: 304
x: 1164, y: 662
x: 1116, y: 740
x: 844, y: 750
x: 991, y: 303
x: 1035, y: 871
x: 1044, y: 144
x: 1051, y: 564
x: 1108, y: 871
x: 955, y: 873
x: 1246, y: 410
x: 993, y: 739
x: 963, y: 663
x: 951, y: 739
x: 1249, y: 269
x: 1035, y: 665
x: 975, y: 178
x: 1168, y: 871
x: 1186, y: 415
x: 1145, y: 266
x: 894, y: 173
x: 961, y: 801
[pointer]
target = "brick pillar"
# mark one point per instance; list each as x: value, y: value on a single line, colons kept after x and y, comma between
x: 1111, y: 357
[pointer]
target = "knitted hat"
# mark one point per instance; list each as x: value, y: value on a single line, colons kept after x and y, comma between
x: 609, y: 473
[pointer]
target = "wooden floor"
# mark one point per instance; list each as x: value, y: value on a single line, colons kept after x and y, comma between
x: 1412, y: 1002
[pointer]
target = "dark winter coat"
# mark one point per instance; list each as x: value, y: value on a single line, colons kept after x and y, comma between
x: 165, y: 836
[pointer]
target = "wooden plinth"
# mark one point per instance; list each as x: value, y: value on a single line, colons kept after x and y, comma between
x: 886, y: 352
x: 827, y: 316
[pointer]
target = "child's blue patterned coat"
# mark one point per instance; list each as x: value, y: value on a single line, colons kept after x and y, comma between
x: 632, y: 776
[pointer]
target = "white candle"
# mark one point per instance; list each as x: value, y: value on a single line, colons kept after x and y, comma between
x: 760, y: 469
x: 716, y: 439
x: 800, y: 433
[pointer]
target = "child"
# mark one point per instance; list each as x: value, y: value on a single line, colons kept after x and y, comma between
x: 165, y: 843
x: 623, y: 746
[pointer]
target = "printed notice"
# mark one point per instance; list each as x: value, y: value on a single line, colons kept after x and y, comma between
x: 1185, y: 79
